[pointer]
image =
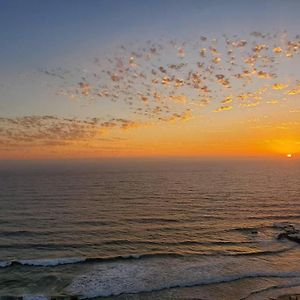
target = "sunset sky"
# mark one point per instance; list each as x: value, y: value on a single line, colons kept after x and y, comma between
x: 85, y: 79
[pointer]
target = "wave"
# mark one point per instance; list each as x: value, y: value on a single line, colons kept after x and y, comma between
x: 52, y: 262
x: 153, y: 220
x: 4, y: 264
x: 77, y: 245
x: 47, y: 262
x: 171, y: 243
x: 271, y: 288
x: 262, y: 252
x: 275, y: 217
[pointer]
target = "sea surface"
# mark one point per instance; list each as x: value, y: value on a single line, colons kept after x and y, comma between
x: 149, y: 229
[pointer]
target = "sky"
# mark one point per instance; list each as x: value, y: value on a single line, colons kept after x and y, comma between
x: 89, y: 79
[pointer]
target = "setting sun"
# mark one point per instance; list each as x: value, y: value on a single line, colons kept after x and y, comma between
x: 289, y: 155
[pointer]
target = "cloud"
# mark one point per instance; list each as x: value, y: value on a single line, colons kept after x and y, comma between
x: 223, y: 108
x: 156, y: 82
x: 227, y: 100
x: 279, y: 86
x: 294, y: 91
x: 57, y: 131
x: 272, y: 101
x: 179, y: 98
x: 128, y: 124
x: 277, y: 50
x: 145, y: 77
x: 175, y: 117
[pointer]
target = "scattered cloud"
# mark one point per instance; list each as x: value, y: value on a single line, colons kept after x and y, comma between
x: 223, y: 108
x: 56, y: 131
x: 146, y: 77
x: 279, y: 86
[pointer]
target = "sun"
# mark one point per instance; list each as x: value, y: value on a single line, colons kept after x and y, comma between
x: 289, y: 155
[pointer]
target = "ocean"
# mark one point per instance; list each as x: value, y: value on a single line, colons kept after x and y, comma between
x: 149, y: 229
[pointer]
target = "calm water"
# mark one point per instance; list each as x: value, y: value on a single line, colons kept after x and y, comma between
x: 102, y: 229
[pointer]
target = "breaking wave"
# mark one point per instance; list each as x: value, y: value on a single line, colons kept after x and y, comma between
x: 52, y: 262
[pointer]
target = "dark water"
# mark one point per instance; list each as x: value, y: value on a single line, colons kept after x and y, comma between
x: 101, y: 229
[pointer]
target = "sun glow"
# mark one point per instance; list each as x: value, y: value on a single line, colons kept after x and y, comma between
x: 289, y: 155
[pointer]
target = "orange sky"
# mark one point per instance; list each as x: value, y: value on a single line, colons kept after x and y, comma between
x: 196, y: 137
x: 173, y: 90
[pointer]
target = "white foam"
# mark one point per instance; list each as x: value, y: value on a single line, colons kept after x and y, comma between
x: 51, y: 262
x: 114, y: 278
x: 132, y: 256
x: 4, y: 264
x: 35, y: 297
